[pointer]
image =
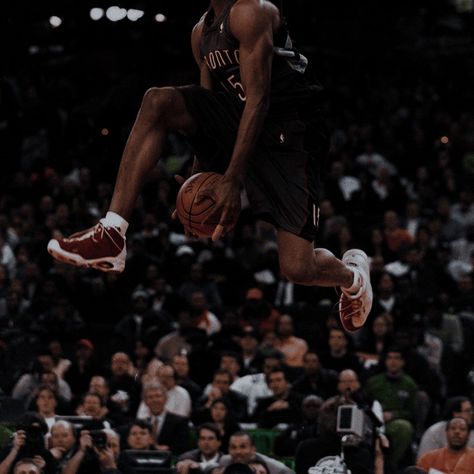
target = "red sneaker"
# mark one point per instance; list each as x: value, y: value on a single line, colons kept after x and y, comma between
x: 101, y: 247
x: 355, y: 308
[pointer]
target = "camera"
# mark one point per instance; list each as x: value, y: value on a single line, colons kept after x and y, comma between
x: 99, y: 438
x: 34, y: 441
x: 354, y: 422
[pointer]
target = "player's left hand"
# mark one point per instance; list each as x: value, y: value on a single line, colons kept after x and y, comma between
x: 226, y: 195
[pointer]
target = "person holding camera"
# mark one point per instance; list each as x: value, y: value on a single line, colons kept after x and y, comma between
x: 28, y: 442
x: 98, y: 453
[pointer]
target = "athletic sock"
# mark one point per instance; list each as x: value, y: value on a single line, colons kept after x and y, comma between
x: 115, y: 220
x: 356, y: 282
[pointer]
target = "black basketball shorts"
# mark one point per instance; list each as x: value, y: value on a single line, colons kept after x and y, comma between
x: 282, y: 178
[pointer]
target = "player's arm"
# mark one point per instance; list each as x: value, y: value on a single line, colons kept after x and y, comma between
x: 252, y: 23
x: 205, y: 79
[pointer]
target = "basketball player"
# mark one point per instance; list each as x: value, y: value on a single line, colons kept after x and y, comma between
x: 254, y: 119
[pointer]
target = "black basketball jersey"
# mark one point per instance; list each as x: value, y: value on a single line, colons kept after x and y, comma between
x: 220, y: 50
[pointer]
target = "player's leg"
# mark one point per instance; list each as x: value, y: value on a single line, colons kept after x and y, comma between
x: 162, y: 110
x: 303, y: 265
x: 103, y: 246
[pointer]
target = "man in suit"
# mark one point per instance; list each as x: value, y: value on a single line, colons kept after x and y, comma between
x: 207, y: 453
x: 170, y: 431
x: 242, y: 450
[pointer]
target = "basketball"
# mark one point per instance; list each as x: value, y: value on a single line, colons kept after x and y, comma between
x: 192, y: 214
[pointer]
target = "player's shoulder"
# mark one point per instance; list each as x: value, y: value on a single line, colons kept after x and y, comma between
x: 256, y: 14
x: 252, y: 8
x: 200, y: 24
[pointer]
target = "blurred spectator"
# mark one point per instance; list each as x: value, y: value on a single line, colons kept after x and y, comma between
x: 397, y: 392
x: 83, y: 367
x: 46, y: 404
x: 28, y: 442
x: 61, y: 364
x: 179, y: 341
x: 220, y: 388
x: 283, y: 407
x: 178, y: 400
x: 204, y: 318
x: 63, y: 442
x: 180, y: 364
x: 315, y: 379
x: 206, y: 455
x: 140, y: 435
x: 93, y: 406
x: 293, y: 348
x: 124, y: 386
x: 170, y: 432
x: 197, y: 282
x: 114, y: 408
x: 252, y: 358
x: 254, y: 386
x: 435, y: 436
x: 242, y: 450
x: 340, y: 357
x: 140, y: 323
x: 286, y: 442
x: 91, y: 458
x: 456, y: 457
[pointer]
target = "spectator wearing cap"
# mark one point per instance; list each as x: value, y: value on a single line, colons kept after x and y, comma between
x: 252, y: 358
x: 84, y: 366
x: 141, y: 323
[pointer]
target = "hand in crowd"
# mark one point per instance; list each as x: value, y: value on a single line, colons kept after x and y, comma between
x: 183, y: 467
x: 106, y: 458
x: 85, y: 441
x: 57, y: 452
x: 278, y: 405
x: 19, y: 440
x: 39, y: 462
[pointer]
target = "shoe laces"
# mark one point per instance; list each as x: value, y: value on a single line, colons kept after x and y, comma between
x: 350, y: 308
x: 96, y: 234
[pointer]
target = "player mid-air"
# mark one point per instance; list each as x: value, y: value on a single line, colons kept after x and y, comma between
x: 254, y: 118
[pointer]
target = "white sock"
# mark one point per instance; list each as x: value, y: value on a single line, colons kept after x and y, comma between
x: 356, y: 282
x: 113, y: 219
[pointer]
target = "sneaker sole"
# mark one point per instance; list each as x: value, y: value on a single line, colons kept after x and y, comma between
x: 106, y: 265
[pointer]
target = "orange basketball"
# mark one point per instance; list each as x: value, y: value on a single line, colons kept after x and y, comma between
x: 191, y: 214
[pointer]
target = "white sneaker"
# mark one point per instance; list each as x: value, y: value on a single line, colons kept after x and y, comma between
x: 354, y: 308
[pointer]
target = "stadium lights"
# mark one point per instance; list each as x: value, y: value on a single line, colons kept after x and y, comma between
x: 97, y: 13
x: 55, y: 21
x: 160, y: 18
x: 134, y: 15
x: 115, y: 13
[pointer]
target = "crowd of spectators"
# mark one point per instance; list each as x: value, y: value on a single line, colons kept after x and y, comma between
x: 197, y: 341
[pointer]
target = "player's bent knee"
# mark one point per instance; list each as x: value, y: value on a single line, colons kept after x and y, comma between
x: 158, y: 101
